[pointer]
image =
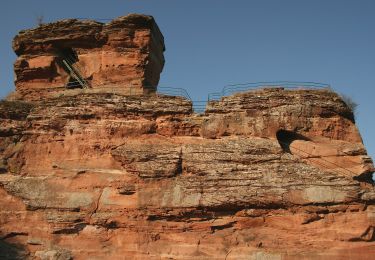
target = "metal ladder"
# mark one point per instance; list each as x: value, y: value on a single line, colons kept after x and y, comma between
x: 74, y: 71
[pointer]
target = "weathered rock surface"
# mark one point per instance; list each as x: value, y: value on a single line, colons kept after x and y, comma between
x: 124, y: 55
x: 267, y: 174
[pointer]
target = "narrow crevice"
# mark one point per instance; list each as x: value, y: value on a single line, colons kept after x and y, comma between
x: 71, y: 230
x: 13, y: 234
x: 96, y: 205
x: 221, y: 227
x: 179, y: 164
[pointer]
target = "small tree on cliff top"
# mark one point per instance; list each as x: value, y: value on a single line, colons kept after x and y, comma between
x: 350, y: 103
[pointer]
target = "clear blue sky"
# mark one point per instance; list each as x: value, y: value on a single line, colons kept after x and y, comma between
x: 210, y: 44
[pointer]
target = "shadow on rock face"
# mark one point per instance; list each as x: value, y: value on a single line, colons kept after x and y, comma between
x: 368, y: 177
x: 10, y: 251
x: 285, y: 138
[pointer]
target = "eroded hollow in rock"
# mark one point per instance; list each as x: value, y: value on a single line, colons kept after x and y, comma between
x: 367, y: 177
x: 285, y: 138
x: 68, y: 57
x: 68, y: 53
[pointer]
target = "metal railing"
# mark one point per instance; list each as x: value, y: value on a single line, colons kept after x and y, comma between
x: 94, y: 19
x: 197, y: 106
x: 168, y: 91
x: 74, y: 63
x: 74, y: 71
x: 237, y: 88
x: 78, y: 84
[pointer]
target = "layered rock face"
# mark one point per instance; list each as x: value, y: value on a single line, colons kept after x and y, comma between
x: 266, y: 174
x: 124, y: 55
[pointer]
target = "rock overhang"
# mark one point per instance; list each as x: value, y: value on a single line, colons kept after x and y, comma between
x: 124, y: 55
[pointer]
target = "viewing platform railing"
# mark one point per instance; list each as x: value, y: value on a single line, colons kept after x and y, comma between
x: 237, y: 88
x: 173, y: 92
x: 199, y: 106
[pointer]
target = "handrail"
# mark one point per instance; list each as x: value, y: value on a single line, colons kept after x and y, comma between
x: 76, y: 83
x: 75, y: 71
x: 94, y: 19
x: 305, y: 83
x: 173, y: 92
x: 236, y: 88
x: 72, y: 62
x: 197, y: 106
x: 200, y: 105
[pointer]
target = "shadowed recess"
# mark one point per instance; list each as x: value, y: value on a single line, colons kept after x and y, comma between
x: 10, y: 251
x: 285, y: 138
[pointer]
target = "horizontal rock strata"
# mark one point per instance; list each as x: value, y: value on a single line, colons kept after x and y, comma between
x: 124, y: 55
x: 267, y: 174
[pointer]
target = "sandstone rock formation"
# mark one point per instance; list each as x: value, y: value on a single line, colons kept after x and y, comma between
x: 124, y: 55
x: 265, y: 174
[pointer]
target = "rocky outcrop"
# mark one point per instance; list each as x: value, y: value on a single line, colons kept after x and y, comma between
x: 265, y: 174
x: 266, y: 111
x: 124, y: 55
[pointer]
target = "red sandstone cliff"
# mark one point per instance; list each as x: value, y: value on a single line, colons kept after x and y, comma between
x: 122, y: 54
x: 264, y: 174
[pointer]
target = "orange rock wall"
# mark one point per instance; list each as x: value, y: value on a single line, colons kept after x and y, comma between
x: 124, y: 55
x: 107, y: 176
